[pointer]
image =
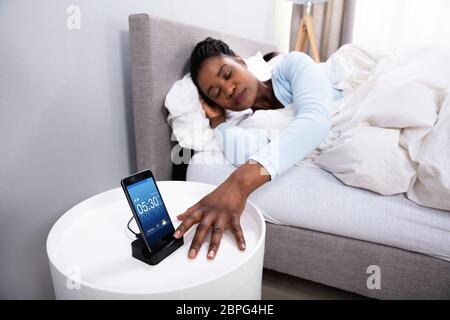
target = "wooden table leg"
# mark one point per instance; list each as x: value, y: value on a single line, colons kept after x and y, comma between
x: 305, y: 32
x: 312, y: 39
x: 302, y: 37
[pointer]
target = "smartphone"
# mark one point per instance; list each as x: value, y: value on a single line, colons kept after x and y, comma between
x: 148, y: 209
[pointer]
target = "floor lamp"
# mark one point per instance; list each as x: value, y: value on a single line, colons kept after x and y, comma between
x: 306, y: 31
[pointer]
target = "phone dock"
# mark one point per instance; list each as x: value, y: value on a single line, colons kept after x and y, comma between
x: 140, y: 251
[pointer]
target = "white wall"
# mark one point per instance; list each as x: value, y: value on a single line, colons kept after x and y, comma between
x: 65, y: 100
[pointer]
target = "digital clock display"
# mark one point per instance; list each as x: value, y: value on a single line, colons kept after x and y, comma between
x: 150, y: 209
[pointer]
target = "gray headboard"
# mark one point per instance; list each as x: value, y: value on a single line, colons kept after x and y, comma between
x: 160, y: 51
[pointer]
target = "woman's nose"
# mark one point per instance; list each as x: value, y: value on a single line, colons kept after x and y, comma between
x: 229, y: 91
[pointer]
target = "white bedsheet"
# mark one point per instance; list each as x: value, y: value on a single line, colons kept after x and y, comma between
x: 311, y: 198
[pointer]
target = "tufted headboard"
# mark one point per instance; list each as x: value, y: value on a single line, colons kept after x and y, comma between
x: 160, y: 51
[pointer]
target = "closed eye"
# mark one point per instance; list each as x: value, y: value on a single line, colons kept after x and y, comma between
x: 226, y: 77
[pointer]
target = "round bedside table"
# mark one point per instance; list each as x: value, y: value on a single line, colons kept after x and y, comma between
x: 89, y: 252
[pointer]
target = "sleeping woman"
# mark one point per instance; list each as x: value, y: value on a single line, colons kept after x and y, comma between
x: 224, y: 82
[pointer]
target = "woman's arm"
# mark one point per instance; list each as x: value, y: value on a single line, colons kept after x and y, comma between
x: 300, y: 81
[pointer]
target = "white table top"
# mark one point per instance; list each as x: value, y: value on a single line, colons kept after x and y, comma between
x: 92, y: 239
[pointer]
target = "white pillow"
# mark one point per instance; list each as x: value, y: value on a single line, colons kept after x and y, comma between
x: 275, y: 61
x: 189, y: 124
x: 259, y: 67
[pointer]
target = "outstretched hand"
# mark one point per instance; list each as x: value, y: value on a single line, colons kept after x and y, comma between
x: 220, y: 210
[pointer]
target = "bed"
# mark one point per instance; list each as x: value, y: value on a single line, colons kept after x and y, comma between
x: 342, y: 238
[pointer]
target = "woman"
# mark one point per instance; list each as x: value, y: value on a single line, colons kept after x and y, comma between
x: 224, y: 82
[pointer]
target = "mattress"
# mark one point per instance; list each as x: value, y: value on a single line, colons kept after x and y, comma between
x: 311, y: 198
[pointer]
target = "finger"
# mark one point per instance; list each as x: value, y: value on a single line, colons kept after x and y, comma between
x: 199, y: 237
x: 182, y: 216
x: 188, y: 212
x: 206, y: 107
x: 237, y: 231
x: 190, y: 220
x: 216, y: 237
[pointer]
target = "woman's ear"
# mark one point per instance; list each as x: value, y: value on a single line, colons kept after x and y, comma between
x: 240, y: 60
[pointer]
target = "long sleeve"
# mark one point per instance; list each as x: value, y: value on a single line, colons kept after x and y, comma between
x: 300, y: 81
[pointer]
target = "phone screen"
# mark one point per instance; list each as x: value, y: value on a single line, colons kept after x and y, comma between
x: 155, y: 223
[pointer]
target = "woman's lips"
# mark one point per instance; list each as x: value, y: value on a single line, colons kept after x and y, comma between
x: 239, y: 97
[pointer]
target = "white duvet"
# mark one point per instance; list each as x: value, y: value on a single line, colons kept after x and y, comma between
x: 391, y: 132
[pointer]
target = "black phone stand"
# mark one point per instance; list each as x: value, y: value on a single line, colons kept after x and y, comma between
x: 139, y: 250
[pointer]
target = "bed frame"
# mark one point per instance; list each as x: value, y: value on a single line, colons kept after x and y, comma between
x: 160, y: 51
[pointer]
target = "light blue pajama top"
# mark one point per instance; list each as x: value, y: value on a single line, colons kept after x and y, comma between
x: 299, y: 83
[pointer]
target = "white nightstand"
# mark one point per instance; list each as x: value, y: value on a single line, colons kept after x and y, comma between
x: 89, y: 253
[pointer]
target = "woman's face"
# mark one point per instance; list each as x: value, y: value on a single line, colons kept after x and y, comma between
x: 227, y: 82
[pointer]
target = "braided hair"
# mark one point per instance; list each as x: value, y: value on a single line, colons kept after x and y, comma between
x: 203, y: 50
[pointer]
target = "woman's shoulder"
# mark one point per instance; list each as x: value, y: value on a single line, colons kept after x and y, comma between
x: 296, y: 58
x: 291, y: 63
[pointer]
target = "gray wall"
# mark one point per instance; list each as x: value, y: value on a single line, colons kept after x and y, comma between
x: 65, y: 100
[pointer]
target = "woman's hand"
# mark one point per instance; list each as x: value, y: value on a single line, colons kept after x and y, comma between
x: 222, y: 209
x: 216, y: 115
